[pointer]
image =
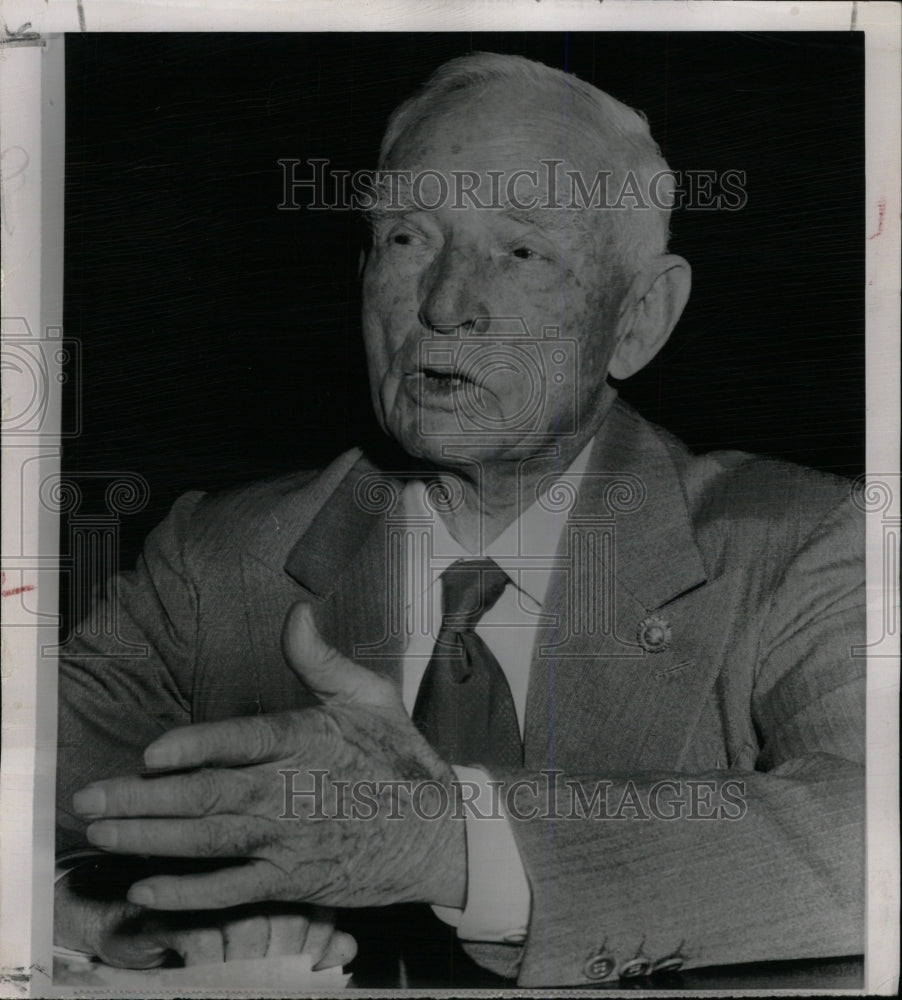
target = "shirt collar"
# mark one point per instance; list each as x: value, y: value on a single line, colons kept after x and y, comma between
x: 524, y: 550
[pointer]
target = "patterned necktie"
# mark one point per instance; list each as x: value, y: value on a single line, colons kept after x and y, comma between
x: 464, y: 706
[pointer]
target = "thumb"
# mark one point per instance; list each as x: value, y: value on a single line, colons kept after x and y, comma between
x: 332, y: 677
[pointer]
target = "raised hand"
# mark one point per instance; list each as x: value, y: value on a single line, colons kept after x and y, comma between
x: 245, y: 798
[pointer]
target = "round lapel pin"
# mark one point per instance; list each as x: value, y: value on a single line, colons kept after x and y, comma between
x: 654, y: 634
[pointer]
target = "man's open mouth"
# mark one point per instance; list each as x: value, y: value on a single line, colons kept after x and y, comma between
x: 444, y: 378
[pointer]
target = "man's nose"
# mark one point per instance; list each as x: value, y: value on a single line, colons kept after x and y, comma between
x: 452, y: 295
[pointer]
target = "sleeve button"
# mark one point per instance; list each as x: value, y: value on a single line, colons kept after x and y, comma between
x: 598, y: 967
x: 635, y: 968
x: 671, y: 964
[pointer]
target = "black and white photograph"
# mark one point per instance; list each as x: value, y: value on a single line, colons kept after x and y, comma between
x: 465, y: 510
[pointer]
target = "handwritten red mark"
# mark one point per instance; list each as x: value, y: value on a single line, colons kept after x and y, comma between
x: 15, y: 590
x: 881, y: 213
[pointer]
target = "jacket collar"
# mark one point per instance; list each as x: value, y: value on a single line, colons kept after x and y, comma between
x: 349, y: 522
x: 632, y: 476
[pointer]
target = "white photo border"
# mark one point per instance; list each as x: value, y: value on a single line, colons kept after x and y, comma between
x: 32, y: 119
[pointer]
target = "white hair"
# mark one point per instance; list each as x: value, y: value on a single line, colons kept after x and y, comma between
x: 621, y: 137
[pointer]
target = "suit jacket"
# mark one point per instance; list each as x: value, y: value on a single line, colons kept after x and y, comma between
x: 749, y: 573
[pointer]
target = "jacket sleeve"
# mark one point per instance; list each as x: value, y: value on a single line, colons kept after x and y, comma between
x: 111, y: 706
x: 741, y: 865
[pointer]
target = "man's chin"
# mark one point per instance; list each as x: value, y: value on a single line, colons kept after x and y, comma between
x: 440, y: 443
x: 434, y: 435
x: 456, y: 452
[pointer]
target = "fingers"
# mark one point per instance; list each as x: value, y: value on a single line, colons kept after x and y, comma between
x: 319, y: 933
x: 229, y: 743
x: 289, y: 933
x: 211, y: 837
x: 315, y: 936
x: 340, y: 950
x: 197, y: 794
x: 248, y: 883
x: 195, y: 946
x: 331, y: 676
x: 258, y: 936
x: 246, y: 937
x: 233, y: 940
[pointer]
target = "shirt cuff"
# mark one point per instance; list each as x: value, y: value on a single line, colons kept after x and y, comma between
x: 498, y: 895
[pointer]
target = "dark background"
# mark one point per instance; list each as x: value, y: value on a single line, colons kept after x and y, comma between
x: 220, y: 336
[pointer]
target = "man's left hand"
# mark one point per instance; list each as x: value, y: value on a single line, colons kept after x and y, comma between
x: 235, y: 804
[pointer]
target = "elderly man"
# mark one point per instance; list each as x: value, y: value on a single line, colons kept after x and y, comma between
x: 588, y: 696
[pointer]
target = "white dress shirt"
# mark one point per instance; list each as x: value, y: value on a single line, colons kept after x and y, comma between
x: 498, y: 896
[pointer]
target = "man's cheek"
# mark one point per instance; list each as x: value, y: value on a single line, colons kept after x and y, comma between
x: 389, y: 393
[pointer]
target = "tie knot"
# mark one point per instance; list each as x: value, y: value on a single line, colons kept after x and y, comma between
x: 470, y: 587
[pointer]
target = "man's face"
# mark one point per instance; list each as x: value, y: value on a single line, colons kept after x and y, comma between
x: 446, y: 289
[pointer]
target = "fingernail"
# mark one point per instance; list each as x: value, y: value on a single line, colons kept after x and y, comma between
x: 90, y: 801
x: 141, y: 895
x: 102, y: 835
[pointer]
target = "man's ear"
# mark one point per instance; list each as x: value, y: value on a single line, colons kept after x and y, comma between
x: 649, y: 312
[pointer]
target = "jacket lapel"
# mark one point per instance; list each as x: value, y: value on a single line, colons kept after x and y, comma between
x: 335, y: 559
x: 348, y: 562
x: 269, y: 594
x: 597, y: 697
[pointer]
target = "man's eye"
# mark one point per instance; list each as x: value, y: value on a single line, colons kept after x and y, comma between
x: 525, y: 253
x: 404, y: 238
